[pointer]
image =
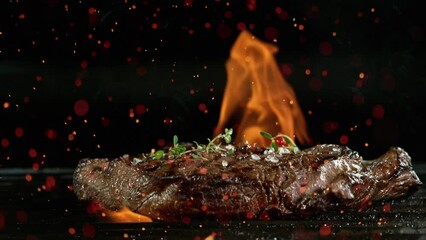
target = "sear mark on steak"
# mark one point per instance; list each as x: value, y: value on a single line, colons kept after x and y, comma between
x: 249, y: 184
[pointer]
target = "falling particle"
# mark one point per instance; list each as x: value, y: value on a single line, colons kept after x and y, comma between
x: 78, y: 82
x: 6, y: 105
x: 84, y: 64
x: 168, y: 120
x: 325, y: 48
x: 21, y: 216
x: 50, y: 182
x: 202, y: 107
x: 286, y: 69
x: 387, y: 207
x: 92, y: 10
x: 5, y: 142
x: 344, y: 139
x: 251, y: 5
x: 71, y: 231
x: 140, y: 109
x: 325, y: 230
x: 19, y: 132
x: 32, y: 153
x: 81, y: 107
x: 89, y: 230
x: 186, y: 220
x: 271, y: 33
x: 161, y: 142
x: 21, y: 16
x: 378, y: 111
x: 39, y: 78
x: 250, y: 215
x: 107, y: 44
x: 51, y: 134
x: 28, y: 177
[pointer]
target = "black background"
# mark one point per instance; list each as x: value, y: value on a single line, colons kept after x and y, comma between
x: 169, y: 56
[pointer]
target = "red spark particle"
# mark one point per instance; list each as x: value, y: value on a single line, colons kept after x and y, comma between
x: 187, y: 3
x: 344, y: 139
x: 140, y: 109
x: 36, y: 166
x: 250, y: 215
x: 186, y: 220
x: 223, y: 31
x: 84, y: 64
x: 50, y: 182
x: 168, y: 120
x: 21, y: 16
x: 283, y: 15
x: 92, y: 10
x: 207, y: 25
x: 28, y: 177
x: 369, y: 122
x: 39, y: 78
x: 325, y: 48
x: 89, y: 230
x: 32, y: 153
x: 271, y: 33
x: 105, y: 121
x: 51, y: 134
x: 241, y: 26
x: 228, y: 14
x: 21, y: 216
x: 330, y: 126
x: 154, y: 25
x: 324, y: 73
x: 78, y: 82
x: 387, y: 207
x: 204, y: 208
x: 378, y: 111
x: 161, y: 142
x: 19, y: 132
x: 107, y: 44
x: 5, y: 142
x: 286, y: 69
x: 71, y: 231
x: 325, y: 230
x: 202, y: 107
x: 251, y: 5
x: 81, y: 107
x: 141, y: 71
x: 93, y: 207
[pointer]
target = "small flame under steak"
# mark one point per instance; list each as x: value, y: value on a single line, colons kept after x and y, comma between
x: 251, y: 183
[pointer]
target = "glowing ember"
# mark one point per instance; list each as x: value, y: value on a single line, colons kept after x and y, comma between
x: 126, y: 215
x: 256, y: 89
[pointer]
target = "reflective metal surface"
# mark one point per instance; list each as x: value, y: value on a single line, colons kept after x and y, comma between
x: 40, y: 205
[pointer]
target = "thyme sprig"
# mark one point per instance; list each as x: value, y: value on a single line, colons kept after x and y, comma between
x: 280, y: 141
x: 214, y: 145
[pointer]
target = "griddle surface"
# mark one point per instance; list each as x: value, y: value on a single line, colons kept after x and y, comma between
x: 27, y: 211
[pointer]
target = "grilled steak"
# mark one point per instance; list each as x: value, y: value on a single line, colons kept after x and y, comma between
x: 251, y: 182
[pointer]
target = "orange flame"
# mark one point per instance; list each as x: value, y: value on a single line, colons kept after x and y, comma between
x: 125, y: 215
x: 257, y: 91
x: 256, y: 88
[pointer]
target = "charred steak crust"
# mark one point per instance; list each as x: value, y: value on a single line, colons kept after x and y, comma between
x: 252, y: 183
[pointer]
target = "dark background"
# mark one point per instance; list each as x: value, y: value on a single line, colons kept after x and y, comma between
x: 163, y: 60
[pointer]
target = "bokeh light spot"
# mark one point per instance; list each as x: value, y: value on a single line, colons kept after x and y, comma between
x: 378, y: 111
x: 325, y: 48
x: 81, y: 107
